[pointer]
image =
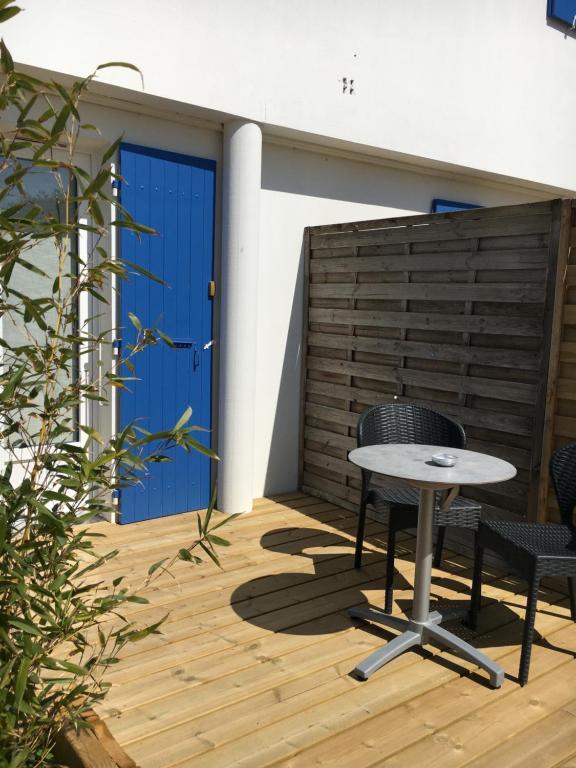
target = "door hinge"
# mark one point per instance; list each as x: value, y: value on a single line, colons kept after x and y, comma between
x: 211, y: 289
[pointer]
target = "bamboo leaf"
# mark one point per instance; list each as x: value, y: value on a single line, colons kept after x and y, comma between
x: 135, y: 321
x: 111, y: 150
x: 211, y: 554
x: 123, y: 65
x: 21, y: 681
x: 60, y: 122
x: 6, y: 61
x: 24, y: 626
x: 183, y: 419
x: 165, y: 338
x: 142, y: 271
x: 155, y: 566
x: 92, y: 433
x: 8, y: 13
x: 10, y: 387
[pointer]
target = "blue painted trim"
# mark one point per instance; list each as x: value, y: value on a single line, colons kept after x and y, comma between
x: 447, y: 206
x: 176, y: 157
x: 562, y: 10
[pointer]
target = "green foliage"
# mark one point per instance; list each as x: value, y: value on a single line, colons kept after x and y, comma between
x: 56, y: 637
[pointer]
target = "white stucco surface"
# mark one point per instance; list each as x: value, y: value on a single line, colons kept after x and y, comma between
x: 485, y: 84
x: 299, y: 189
x: 447, y: 96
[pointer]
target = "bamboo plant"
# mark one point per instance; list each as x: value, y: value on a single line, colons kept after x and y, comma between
x: 58, y: 474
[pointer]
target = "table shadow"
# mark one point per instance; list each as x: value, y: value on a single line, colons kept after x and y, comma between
x: 310, y: 603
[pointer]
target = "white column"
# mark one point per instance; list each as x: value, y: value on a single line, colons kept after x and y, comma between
x: 238, y: 300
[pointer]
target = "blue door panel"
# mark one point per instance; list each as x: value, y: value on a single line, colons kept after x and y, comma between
x: 174, y: 194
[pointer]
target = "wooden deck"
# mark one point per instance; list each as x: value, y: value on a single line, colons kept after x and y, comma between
x: 253, y: 666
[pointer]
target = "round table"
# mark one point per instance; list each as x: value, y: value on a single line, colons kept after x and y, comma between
x: 412, y: 465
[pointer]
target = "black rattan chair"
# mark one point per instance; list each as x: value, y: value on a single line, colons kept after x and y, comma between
x: 534, y: 550
x: 406, y: 423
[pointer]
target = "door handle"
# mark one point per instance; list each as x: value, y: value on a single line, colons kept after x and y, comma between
x: 196, y: 359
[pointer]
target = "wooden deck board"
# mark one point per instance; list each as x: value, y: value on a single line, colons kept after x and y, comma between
x: 253, y: 667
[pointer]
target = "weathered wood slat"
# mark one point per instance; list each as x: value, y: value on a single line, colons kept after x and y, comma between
x: 501, y: 422
x: 327, y: 262
x: 508, y: 326
x: 456, y: 353
x: 570, y: 314
x: 502, y: 390
x: 455, y: 229
x: 498, y: 212
x: 503, y: 292
x: 571, y: 275
x: 565, y: 426
x: 499, y: 389
x: 566, y: 389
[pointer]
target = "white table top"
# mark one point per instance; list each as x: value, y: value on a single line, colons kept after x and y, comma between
x: 413, y: 465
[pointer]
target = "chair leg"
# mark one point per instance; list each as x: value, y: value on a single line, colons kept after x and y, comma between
x: 476, y: 596
x: 360, y: 534
x: 572, y: 591
x: 440, y: 534
x: 390, y: 552
x: 528, y: 637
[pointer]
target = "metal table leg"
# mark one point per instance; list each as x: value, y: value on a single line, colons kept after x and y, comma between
x: 423, y: 626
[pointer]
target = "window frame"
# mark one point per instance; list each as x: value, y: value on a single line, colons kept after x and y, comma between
x: 84, y: 412
x: 451, y: 206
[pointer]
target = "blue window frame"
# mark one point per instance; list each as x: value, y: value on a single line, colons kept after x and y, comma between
x: 449, y: 206
x: 563, y: 10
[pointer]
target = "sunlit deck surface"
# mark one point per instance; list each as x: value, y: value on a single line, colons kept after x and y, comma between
x: 254, y: 664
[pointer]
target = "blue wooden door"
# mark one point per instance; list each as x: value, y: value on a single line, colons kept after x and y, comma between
x: 174, y: 194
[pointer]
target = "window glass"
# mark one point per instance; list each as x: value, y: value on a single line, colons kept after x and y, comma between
x: 46, y: 189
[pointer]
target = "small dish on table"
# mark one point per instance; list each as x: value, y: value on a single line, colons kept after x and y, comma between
x: 444, y: 459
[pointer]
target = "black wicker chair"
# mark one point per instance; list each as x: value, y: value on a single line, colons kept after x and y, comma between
x: 406, y: 423
x: 534, y: 550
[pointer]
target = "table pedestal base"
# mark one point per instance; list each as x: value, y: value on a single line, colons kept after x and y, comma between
x: 419, y: 633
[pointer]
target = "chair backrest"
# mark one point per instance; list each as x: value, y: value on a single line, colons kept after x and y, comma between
x: 563, y: 471
x: 406, y: 423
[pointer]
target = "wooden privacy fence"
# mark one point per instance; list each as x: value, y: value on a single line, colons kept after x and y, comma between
x: 459, y: 312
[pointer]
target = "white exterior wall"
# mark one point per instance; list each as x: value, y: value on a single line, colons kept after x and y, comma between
x: 451, y: 98
x: 486, y: 84
x: 299, y: 188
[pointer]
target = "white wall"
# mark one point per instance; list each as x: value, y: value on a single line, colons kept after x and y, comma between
x: 486, y: 84
x: 300, y: 189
